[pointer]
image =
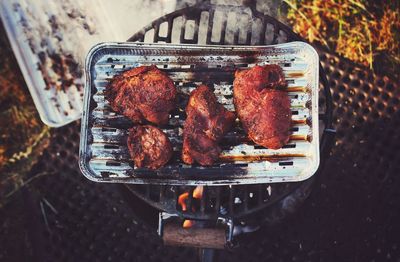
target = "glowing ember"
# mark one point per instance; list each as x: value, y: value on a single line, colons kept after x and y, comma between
x: 188, y: 223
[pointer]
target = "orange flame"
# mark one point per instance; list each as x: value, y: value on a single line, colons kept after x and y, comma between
x: 182, y: 200
x: 188, y: 223
x: 197, y: 194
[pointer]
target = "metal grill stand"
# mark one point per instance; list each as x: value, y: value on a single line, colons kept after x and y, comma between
x: 206, y: 23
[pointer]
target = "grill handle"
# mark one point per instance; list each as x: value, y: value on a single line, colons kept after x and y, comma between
x: 175, y: 235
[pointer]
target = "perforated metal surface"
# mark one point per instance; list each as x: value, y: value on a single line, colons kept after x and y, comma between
x: 352, y: 214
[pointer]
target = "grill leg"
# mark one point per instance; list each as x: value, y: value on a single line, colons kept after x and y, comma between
x: 206, y: 254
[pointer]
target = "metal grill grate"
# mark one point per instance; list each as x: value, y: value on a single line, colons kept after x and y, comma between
x: 216, y: 25
x: 206, y: 22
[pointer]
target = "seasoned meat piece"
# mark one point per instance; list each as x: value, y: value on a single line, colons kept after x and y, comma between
x: 142, y: 93
x: 206, y: 123
x: 149, y: 146
x: 262, y: 105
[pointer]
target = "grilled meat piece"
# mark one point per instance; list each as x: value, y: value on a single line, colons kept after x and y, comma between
x: 262, y: 106
x: 149, y: 146
x: 142, y: 93
x: 206, y: 123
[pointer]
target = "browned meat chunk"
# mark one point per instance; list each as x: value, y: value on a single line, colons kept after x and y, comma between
x: 142, y: 93
x: 262, y: 105
x: 206, y: 123
x: 149, y: 146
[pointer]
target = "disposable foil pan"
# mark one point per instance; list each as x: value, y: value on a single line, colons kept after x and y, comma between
x: 104, y: 155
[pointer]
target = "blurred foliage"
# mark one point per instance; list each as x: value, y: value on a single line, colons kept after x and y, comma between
x: 357, y: 29
x: 22, y: 135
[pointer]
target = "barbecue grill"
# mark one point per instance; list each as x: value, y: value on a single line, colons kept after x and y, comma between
x: 236, y: 208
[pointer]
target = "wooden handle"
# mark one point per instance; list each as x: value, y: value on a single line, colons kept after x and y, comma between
x: 175, y: 235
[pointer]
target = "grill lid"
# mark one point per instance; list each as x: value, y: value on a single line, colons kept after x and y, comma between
x: 103, y: 152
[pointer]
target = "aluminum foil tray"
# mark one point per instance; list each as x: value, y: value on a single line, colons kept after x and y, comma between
x: 50, y: 40
x: 104, y: 156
